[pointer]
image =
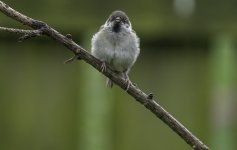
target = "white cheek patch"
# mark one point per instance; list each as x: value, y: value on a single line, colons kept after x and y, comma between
x: 129, y: 27
x: 107, y: 24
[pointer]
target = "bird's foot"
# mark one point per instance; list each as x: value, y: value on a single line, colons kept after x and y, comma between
x: 127, y: 80
x: 103, y: 67
x: 129, y: 83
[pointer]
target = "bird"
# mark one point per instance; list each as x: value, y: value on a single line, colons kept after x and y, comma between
x: 117, y: 45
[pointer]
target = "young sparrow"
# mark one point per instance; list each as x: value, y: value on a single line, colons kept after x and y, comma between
x: 116, y: 45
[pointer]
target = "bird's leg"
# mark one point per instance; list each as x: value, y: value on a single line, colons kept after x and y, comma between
x: 103, y: 66
x: 129, y: 83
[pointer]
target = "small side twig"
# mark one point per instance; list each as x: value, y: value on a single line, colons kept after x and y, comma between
x: 17, y: 31
x: 26, y: 33
x: 71, y: 59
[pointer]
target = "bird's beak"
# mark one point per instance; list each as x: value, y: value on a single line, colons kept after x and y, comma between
x: 118, y: 19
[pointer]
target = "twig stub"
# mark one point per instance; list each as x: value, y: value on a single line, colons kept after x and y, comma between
x: 150, y: 96
x: 69, y: 36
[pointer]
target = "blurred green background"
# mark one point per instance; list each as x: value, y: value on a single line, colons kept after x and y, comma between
x: 188, y: 60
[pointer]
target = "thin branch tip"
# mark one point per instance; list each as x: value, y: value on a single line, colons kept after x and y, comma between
x: 75, y: 57
x: 14, y: 30
x: 70, y: 59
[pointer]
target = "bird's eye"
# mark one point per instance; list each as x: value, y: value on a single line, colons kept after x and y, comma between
x: 115, y: 17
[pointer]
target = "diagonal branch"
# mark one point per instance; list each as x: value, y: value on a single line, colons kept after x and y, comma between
x: 146, y: 100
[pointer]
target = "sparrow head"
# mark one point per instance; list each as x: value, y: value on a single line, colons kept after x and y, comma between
x: 118, y: 21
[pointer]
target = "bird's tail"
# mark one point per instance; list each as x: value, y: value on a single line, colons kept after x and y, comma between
x: 109, y: 83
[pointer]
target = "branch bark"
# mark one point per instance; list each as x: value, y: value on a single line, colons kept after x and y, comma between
x: 41, y: 28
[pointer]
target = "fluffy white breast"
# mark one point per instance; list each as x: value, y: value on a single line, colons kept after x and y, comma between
x: 119, y: 50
